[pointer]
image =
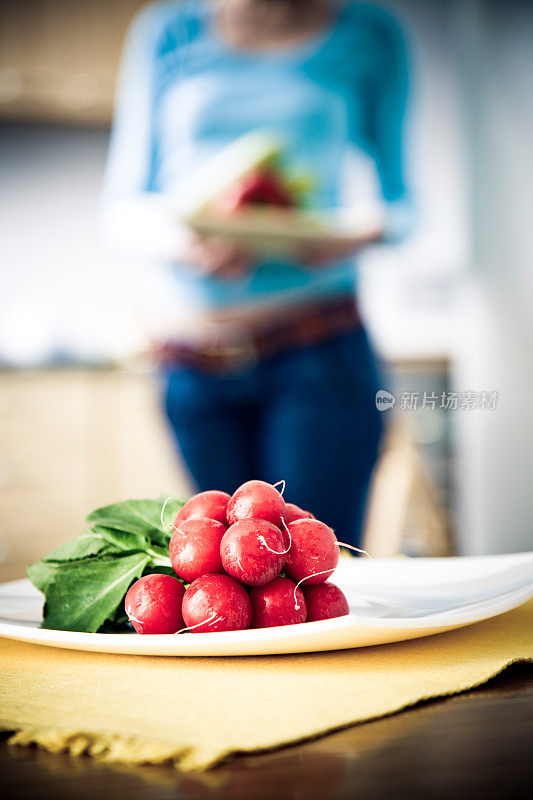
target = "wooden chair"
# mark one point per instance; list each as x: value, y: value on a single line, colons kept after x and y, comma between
x: 405, y: 513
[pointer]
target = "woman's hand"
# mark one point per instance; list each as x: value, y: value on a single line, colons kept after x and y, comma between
x: 214, y: 255
x: 323, y: 253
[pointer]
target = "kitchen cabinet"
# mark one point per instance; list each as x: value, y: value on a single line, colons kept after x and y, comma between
x: 71, y: 440
x: 59, y: 58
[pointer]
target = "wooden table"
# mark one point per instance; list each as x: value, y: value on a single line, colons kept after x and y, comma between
x: 475, y: 745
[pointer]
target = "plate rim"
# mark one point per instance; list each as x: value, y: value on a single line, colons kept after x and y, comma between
x: 418, y: 626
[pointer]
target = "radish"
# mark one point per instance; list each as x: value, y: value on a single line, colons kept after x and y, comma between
x: 294, y: 512
x: 253, y: 551
x: 195, y: 548
x: 262, y: 186
x: 324, y: 601
x: 256, y: 500
x: 211, y: 504
x: 277, y: 603
x: 216, y: 603
x: 153, y: 604
x: 314, y: 552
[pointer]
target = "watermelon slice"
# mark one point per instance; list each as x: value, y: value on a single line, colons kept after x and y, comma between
x: 262, y: 187
x: 223, y: 173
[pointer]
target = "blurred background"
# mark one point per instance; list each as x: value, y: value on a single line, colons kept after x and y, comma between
x: 449, y: 309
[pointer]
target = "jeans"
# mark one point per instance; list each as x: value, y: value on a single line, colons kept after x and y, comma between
x: 307, y: 416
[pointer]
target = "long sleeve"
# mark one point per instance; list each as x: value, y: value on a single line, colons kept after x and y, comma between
x: 384, y: 104
x: 136, y: 218
x: 389, y: 124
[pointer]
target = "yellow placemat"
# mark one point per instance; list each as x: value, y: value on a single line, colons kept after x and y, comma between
x: 194, y: 711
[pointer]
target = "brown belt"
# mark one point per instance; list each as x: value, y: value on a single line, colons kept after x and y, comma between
x: 303, y: 327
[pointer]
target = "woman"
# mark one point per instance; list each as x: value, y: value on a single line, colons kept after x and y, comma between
x: 270, y: 374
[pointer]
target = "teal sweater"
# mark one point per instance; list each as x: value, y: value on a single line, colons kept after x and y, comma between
x: 185, y: 93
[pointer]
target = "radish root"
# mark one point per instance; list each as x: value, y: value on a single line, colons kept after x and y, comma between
x: 312, y: 575
x: 132, y: 618
x: 161, y: 516
x: 288, y: 532
x: 277, y: 552
x: 351, y: 547
x: 209, y: 621
x: 328, y: 571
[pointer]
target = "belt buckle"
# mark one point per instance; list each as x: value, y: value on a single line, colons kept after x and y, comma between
x: 234, y: 345
x: 240, y: 355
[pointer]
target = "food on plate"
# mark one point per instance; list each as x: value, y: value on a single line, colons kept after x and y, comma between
x: 256, y: 500
x: 293, y: 512
x: 262, y: 187
x: 85, y: 579
x: 255, y: 193
x: 249, y: 171
x: 211, y: 504
x: 216, y: 603
x: 153, y: 604
x: 324, y: 601
x: 314, y: 552
x: 253, y: 551
x: 279, y: 602
x: 165, y: 566
x: 194, y: 548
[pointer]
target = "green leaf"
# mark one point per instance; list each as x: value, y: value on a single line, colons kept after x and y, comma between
x: 82, y: 595
x: 85, y: 579
x: 121, y: 540
x: 41, y: 574
x: 88, y: 543
x: 141, y: 517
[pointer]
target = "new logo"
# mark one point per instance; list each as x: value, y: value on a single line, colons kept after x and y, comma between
x: 384, y: 400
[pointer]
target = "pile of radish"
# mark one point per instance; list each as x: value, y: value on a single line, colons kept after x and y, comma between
x: 250, y: 560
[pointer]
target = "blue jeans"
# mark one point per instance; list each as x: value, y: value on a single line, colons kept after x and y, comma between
x: 307, y: 416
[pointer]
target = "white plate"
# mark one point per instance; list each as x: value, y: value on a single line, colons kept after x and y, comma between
x: 390, y: 600
x: 283, y: 232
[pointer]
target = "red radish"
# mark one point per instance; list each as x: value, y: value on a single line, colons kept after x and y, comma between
x: 260, y: 187
x: 277, y: 603
x: 313, y: 550
x: 211, y: 504
x: 216, y: 603
x: 253, y: 551
x: 324, y: 601
x: 195, y: 548
x: 256, y: 500
x: 153, y: 604
x: 294, y: 512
